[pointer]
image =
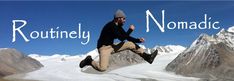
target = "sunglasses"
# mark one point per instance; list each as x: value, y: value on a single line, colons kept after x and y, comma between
x: 123, y: 18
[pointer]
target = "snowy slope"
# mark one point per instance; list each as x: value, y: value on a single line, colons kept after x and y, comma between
x: 168, y: 49
x: 231, y: 29
x: 56, y: 69
x: 226, y: 37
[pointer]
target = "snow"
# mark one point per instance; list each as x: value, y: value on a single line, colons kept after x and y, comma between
x: 4, y: 49
x: 94, y: 53
x: 53, y: 57
x: 198, y: 40
x: 68, y: 70
x: 226, y: 36
x: 231, y: 29
x: 170, y: 48
x: 142, y: 46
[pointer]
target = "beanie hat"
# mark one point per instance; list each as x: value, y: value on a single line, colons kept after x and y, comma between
x: 119, y: 13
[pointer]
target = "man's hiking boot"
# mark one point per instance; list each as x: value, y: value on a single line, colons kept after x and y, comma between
x: 150, y: 57
x: 87, y: 61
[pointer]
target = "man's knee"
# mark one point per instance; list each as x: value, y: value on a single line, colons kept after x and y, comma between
x: 104, y: 58
x: 105, y: 50
x: 130, y: 45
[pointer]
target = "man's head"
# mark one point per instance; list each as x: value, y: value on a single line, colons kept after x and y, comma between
x: 119, y: 17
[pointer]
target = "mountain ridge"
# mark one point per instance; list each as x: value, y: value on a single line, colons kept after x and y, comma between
x: 13, y: 61
x: 208, y: 57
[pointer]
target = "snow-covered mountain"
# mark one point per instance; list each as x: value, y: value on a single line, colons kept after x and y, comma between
x: 166, y: 49
x: 66, y: 68
x: 226, y: 37
x: 209, y: 57
x: 231, y: 29
x: 55, y: 57
x: 13, y: 61
x: 118, y: 60
x: 95, y: 55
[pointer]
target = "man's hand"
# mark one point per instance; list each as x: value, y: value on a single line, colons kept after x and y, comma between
x: 142, y: 40
x: 132, y: 27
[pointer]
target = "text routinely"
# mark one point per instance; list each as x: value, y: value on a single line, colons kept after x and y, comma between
x: 52, y: 33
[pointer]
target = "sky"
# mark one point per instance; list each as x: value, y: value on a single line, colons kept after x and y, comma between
x: 93, y: 15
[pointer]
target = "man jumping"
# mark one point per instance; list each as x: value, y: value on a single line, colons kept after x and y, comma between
x: 105, y: 45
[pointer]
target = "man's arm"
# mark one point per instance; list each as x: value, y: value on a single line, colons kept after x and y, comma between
x: 130, y: 30
x: 122, y: 35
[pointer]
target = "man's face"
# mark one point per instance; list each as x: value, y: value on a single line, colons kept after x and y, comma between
x: 121, y: 21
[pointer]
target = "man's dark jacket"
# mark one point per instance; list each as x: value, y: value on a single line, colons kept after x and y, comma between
x: 112, y: 31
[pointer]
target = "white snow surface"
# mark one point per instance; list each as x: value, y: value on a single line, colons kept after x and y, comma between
x: 4, y: 49
x: 169, y: 48
x: 66, y: 68
x: 231, y: 29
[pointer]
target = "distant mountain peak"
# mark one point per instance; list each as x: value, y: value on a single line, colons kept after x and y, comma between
x: 166, y: 49
x: 207, y: 55
x: 202, y: 40
x: 231, y: 29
